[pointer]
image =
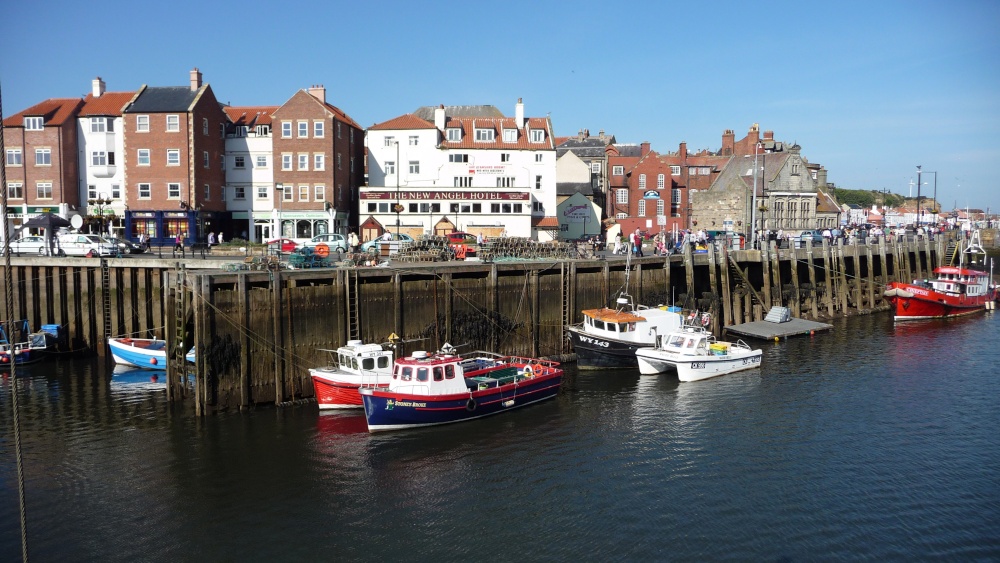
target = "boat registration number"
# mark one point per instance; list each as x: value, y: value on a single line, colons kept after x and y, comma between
x: 697, y: 365
x: 594, y: 342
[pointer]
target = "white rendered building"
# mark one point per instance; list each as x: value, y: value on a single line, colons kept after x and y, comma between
x: 249, y: 192
x: 101, y: 158
x: 461, y: 168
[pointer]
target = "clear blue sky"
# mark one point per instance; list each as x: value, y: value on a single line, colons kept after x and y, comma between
x: 869, y: 89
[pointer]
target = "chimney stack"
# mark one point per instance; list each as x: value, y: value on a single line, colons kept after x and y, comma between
x: 753, y: 136
x: 728, y: 142
x: 195, y: 79
x: 600, y: 134
x: 519, y: 114
x: 318, y: 91
x: 98, y: 87
x: 683, y: 150
x: 644, y: 148
x: 439, y: 117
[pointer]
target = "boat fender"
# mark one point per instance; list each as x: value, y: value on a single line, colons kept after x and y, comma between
x: 528, y: 371
x: 470, y: 405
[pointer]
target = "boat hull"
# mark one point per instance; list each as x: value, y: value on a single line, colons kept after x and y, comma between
x: 387, y: 410
x: 598, y: 352
x: 911, y: 303
x: 333, y: 392
x: 145, y: 353
x: 22, y: 357
x: 695, y: 368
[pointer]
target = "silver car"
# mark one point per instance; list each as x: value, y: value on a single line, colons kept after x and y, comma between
x: 31, y: 244
x: 335, y: 242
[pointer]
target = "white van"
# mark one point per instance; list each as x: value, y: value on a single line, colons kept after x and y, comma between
x: 81, y: 244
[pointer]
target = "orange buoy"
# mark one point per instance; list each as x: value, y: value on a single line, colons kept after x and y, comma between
x: 322, y: 250
x: 152, y: 361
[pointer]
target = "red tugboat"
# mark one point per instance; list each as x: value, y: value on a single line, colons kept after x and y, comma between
x: 955, y: 291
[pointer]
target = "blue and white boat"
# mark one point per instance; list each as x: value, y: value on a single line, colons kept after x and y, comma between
x: 444, y: 387
x: 150, y: 353
x: 19, y: 346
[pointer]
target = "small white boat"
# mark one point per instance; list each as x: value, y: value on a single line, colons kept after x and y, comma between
x: 694, y: 353
x: 148, y: 353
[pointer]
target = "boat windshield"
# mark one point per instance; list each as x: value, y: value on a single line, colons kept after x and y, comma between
x: 676, y: 341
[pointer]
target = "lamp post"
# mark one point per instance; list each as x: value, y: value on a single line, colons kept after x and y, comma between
x: 399, y: 207
x: 920, y: 211
x: 753, y: 209
x: 936, y: 207
x: 280, y: 189
x: 101, y: 203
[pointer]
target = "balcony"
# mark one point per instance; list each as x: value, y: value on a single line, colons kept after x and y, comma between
x: 103, y: 171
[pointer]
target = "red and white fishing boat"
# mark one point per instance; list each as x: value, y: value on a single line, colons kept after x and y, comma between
x: 351, y: 367
x: 955, y: 290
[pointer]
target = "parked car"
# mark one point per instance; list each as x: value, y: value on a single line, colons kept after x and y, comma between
x: 82, y: 244
x: 461, y: 237
x: 815, y: 236
x: 283, y: 245
x: 372, y: 245
x: 31, y: 244
x: 336, y: 243
x: 125, y: 246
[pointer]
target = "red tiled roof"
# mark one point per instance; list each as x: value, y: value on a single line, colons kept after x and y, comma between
x: 343, y: 116
x: 497, y: 124
x: 109, y: 103
x: 407, y: 121
x: 545, y: 222
x: 55, y: 111
x: 250, y: 116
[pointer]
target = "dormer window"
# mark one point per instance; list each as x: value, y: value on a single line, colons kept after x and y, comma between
x: 485, y: 135
x: 510, y: 135
x: 537, y: 136
x: 454, y: 134
x: 33, y: 124
x: 263, y: 130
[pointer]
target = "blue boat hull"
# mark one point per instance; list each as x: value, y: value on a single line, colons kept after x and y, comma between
x: 390, y: 411
x: 152, y: 355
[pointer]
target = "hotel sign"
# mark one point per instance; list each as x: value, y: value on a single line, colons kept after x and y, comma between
x: 492, y: 169
x: 448, y: 196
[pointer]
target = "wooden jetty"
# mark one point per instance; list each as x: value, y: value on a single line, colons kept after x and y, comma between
x: 258, y: 332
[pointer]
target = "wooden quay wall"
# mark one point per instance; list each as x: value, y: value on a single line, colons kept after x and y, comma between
x: 258, y: 332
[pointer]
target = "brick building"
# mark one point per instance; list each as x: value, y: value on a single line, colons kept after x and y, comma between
x: 41, y: 160
x: 174, y: 158
x: 319, y: 166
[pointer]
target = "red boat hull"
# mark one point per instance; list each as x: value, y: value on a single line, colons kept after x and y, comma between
x: 913, y: 302
x: 337, y: 395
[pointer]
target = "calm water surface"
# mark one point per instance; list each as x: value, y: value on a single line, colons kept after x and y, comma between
x: 874, y: 441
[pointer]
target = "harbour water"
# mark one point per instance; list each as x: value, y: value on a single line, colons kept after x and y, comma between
x: 872, y: 441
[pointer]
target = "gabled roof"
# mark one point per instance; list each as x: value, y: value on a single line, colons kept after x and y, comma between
x: 341, y: 115
x: 407, y: 121
x: 159, y: 99
x: 826, y: 203
x: 250, y: 116
x: 633, y: 151
x: 570, y: 188
x: 109, y: 103
x: 55, y: 112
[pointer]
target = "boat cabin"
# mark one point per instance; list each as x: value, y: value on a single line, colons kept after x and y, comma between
x: 691, y: 341
x: 629, y: 325
x: 959, y: 281
x: 357, y: 357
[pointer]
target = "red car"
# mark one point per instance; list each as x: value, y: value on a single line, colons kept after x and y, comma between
x: 460, y: 237
x: 283, y: 245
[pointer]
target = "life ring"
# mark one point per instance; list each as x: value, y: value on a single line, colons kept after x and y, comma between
x: 705, y: 319
x: 537, y: 368
x: 322, y: 250
x: 470, y: 405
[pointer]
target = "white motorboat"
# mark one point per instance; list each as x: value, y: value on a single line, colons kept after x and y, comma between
x: 695, y: 354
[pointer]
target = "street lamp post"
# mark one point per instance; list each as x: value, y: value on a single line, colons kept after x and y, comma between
x: 399, y: 207
x: 101, y: 203
x: 937, y: 208
x: 920, y: 211
x: 753, y: 209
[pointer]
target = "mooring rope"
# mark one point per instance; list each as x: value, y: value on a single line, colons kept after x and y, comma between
x: 9, y: 287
